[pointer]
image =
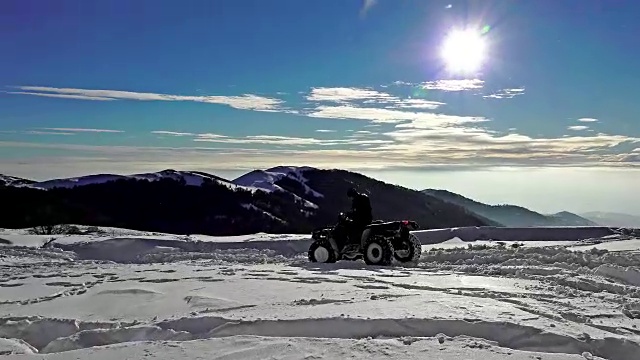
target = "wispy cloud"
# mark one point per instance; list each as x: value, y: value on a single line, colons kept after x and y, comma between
x: 390, y: 129
x: 464, y: 145
x: 416, y: 104
x: 36, y: 132
x: 172, y: 133
x: 505, y: 94
x: 83, y: 159
x: 366, y: 6
x: 61, y: 131
x: 453, y: 85
x: 344, y: 94
x: 445, y: 84
x: 577, y: 127
x: 286, y: 140
x: 244, y: 102
x: 350, y: 96
x: 378, y: 115
x: 63, y: 96
x: 84, y: 130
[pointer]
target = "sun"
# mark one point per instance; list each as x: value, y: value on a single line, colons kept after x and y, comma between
x: 464, y: 51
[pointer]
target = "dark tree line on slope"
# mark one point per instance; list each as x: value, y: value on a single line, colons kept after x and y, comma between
x: 390, y: 202
x: 163, y: 206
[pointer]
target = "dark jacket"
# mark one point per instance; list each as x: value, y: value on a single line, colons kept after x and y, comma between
x: 361, y: 209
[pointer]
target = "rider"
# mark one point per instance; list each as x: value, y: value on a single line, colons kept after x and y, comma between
x: 360, y: 214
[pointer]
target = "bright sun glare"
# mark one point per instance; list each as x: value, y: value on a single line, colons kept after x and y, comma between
x: 464, y: 51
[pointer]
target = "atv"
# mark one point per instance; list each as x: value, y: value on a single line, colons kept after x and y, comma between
x: 379, y: 244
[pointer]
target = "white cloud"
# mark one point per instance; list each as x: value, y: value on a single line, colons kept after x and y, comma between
x: 84, y: 130
x: 587, y: 120
x: 405, y: 83
x: 577, y: 127
x: 506, y: 94
x: 62, y: 131
x: 416, y: 104
x: 63, y: 96
x: 268, y: 140
x: 377, y: 115
x: 454, y: 85
x: 465, y: 145
x: 287, y: 140
x: 325, y: 131
x: 244, y: 102
x: 211, y: 136
x: 36, y: 132
x: 343, y: 94
x: 172, y: 133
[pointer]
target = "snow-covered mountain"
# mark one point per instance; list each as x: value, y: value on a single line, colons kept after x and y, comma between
x: 6, y: 180
x: 266, y: 179
x: 192, y: 178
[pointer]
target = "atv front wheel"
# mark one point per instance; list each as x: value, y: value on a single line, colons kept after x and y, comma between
x: 412, y: 249
x: 321, y: 251
x: 378, y: 251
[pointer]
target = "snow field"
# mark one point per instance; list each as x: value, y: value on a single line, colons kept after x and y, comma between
x: 131, y: 294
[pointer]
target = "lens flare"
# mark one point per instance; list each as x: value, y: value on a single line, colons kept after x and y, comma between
x: 464, y: 51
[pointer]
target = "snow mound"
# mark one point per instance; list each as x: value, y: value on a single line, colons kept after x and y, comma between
x: 475, y: 233
x: 15, y: 346
x: 101, y: 337
x: 150, y: 250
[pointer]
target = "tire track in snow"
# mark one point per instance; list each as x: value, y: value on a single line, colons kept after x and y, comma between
x: 51, y: 336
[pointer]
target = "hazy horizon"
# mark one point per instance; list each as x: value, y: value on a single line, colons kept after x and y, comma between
x: 530, y: 103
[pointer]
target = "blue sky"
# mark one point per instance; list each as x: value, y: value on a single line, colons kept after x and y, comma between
x: 228, y: 86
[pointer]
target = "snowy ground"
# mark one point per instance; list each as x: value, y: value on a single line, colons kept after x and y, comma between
x: 128, y: 294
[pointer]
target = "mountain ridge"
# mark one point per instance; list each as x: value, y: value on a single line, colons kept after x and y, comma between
x: 615, y: 219
x: 511, y: 215
x: 278, y: 199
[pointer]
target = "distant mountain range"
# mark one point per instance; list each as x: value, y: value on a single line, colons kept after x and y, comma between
x: 277, y: 200
x: 511, y: 215
x: 280, y: 199
x: 613, y: 219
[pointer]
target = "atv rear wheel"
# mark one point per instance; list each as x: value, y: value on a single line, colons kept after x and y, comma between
x: 378, y: 250
x: 412, y: 249
x: 321, y: 251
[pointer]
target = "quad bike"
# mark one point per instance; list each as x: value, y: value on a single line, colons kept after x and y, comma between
x: 379, y: 244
